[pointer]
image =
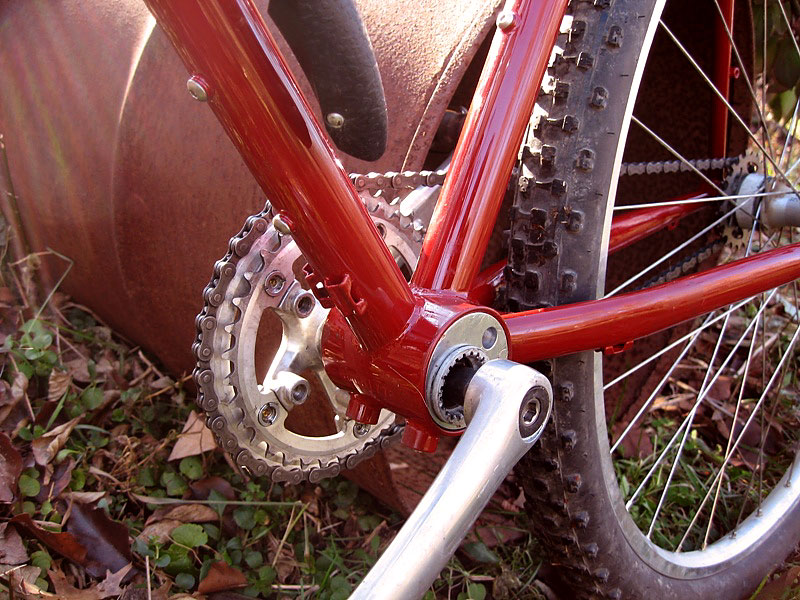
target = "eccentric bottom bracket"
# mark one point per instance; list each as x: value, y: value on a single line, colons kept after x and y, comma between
x: 469, y: 342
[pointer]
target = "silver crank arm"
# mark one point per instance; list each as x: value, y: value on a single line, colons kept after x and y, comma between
x: 507, y: 406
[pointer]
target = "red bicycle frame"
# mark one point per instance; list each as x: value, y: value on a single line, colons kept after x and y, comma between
x: 382, y: 328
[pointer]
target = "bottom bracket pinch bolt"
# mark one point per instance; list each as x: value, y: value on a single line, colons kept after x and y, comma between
x: 506, y: 406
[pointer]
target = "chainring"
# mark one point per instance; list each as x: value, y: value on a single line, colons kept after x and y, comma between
x: 242, y: 289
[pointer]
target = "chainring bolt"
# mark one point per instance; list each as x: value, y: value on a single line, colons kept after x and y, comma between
x: 291, y: 389
x: 361, y: 429
x: 274, y: 283
x: 268, y: 414
x: 300, y: 392
x: 303, y: 304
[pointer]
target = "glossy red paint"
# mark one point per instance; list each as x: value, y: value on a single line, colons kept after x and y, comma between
x: 393, y: 377
x: 225, y: 44
x: 473, y: 191
x: 484, y: 287
x: 550, y: 332
x: 722, y: 78
x: 631, y: 226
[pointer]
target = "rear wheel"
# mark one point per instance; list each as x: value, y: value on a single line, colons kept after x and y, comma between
x: 667, y: 472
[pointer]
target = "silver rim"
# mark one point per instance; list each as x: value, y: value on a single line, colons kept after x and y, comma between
x: 706, y: 546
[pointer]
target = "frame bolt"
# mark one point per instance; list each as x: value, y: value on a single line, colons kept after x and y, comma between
x: 303, y: 304
x: 281, y: 225
x: 506, y: 19
x: 335, y: 120
x: 198, y: 88
x: 274, y: 283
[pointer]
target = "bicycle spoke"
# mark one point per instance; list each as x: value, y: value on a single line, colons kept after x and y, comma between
x: 706, y: 385
x: 741, y: 435
x: 677, y: 154
x: 655, y: 391
x: 704, y: 389
x: 790, y: 135
x: 764, y: 78
x: 736, y: 115
x: 698, y: 200
x: 730, y: 437
x: 674, y: 251
x: 694, y: 409
x: 663, y: 496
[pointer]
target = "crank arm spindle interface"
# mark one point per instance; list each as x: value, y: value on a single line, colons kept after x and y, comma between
x: 507, y: 406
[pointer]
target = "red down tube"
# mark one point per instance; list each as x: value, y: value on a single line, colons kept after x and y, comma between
x: 226, y: 46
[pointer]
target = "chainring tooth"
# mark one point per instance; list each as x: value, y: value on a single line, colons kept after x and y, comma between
x: 206, y: 346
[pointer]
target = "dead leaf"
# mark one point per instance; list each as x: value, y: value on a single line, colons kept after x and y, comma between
x: 220, y: 577
x: 284, y: 561
x: 7, y: 403
x: 12, y: 550
x: 84, y: 497
x: 201, y: 489
x: 23, y: 581
x: 58, y: 482
x: 106, y: 541
x: 66, y: 591
x: 140, y: 593
x: 19, y: 386
x: 160, y: 531
x: 10, y: 469
x: 110, y: 585
x: 721, y: 390
x: 637, y: 442
x: 78, y: 368
x: 107, y: 588
x: 195, y: 438
x: 65, y: 544
x: 57, y: 385
x: 185, y: 513
x: 46, y: 447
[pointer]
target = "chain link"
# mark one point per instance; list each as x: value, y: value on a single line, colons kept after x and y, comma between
x: 677, y: 166
x: 393, y: 180
x: 376, y: 182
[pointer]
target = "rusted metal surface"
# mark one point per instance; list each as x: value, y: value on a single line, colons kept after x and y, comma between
x: 116, y: 167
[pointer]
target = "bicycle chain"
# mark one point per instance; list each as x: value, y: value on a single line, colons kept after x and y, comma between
x: 677, y: 166
x: 238, y: 247
x: 377, y: 182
